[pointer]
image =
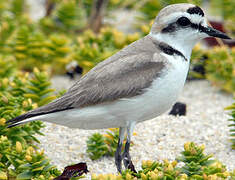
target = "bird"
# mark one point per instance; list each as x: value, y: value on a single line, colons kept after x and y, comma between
x: 138, y: 83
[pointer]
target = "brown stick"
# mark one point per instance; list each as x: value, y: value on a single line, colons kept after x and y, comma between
x: 97, y: 14
x: 50, y: 5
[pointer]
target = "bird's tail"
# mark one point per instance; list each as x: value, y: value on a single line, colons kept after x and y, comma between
x: 24, y: 118
x: 27, y: 117
x: 36, y: 114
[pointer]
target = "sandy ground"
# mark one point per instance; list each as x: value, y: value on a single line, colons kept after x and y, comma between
x: 157, y: 139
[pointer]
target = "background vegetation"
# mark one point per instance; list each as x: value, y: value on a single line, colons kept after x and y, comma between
x: 74, y: 30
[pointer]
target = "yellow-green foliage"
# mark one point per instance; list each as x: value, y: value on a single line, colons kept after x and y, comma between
x: 58, y: 50
x: 219, y: 64
x: 198, y: 58
x: 20, y: 93
x: 111, y: 140
x: 232, y: 174
x: 68, y: 16
x: 20, y: 43
x: 99, y: 145
x: 232, y: 124
x: 96, y: 147
x: 194, y: 165
x: 112, y: 5
x: 8, y: 65
x: 31, y: 48
x: 226, y: 10
x: 27, y: 162
x: 17, y: 7
x: 38, y: 89
x: 92, y: 48
x: 7, y: 27
x: 22, y: 39
x: 150, y: 8
x: 73, y: 15
x: 220, y: 68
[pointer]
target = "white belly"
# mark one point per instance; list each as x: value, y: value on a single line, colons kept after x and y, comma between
x: 156, y: 100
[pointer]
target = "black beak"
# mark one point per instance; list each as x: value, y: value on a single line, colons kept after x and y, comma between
x: 213, y: 32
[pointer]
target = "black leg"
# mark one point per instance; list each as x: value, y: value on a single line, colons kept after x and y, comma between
x: 118, y: 157
x: 127, y: 158
x: 118, y: 153
x: 126, y: 155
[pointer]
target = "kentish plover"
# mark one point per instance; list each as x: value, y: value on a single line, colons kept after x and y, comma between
x: 137, y: 83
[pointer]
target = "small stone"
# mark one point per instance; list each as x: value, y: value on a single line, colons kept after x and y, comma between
x: 178, y: 109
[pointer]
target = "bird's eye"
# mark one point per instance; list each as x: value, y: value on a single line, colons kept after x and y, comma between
x: 183, y: 21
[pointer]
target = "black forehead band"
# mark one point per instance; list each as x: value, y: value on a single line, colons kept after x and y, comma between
x: 195, y: 10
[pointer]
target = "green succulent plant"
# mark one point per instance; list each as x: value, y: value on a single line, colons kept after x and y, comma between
x: 8, y: 66
x: 96, y: 147
x: 27, y: 162
x: 38, y: 88
x: 150, y: 8
x: 18, y: 7
x: 198, y: 60
x: 20, y: 93
x: 226, y: 11
x: 67, y: 16
x: 232, y: 124
x: 99, y: 145
x: 220, y: 68
x: 7, y: 27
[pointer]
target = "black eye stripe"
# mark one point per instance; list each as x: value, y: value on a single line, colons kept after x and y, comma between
x: 172, y: 27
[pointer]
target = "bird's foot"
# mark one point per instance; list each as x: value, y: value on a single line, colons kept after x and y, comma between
x: 127, y: 162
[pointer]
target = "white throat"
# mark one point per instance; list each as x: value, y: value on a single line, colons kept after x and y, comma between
x: 178, y: 43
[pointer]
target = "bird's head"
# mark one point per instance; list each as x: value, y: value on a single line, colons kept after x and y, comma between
x: 182, y: 25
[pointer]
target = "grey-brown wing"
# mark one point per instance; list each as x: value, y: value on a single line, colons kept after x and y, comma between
x: 124, y: 78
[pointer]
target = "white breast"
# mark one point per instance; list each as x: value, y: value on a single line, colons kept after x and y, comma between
x: 164, y: 91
